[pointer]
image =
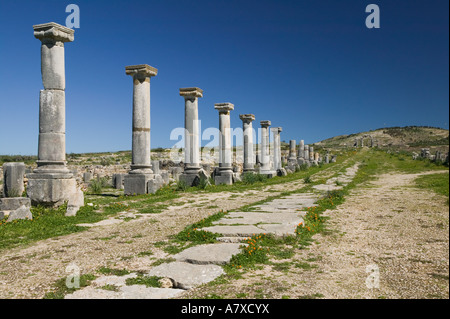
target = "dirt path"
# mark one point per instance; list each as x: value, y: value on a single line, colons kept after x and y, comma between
x: 387, y: 226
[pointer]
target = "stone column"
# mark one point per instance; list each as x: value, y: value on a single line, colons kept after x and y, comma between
x: 306, y: 152
x: 316, y: 157
x: 301, y: 149
x: 225, y: 151
x: 276, y: 147
x: 51, y: 183
x: 292, y: 152
x: 191, y: 140
x: 311, y: 153
x: 265, y: 150
x: 249, y: 158
x: 13, y: 174
x: 136, y: 181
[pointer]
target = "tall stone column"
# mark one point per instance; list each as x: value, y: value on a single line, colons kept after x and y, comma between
x: 51, y: 183
x: 225, y: 151
x: 136, y: 181
x: 311, y: 153
x: 249, y: 158
x: 306, y: 152
x: 301, y: 153
x: 191, y: 140
x: 265, y: 169
x: 276, y: 147
x: 292, y: 152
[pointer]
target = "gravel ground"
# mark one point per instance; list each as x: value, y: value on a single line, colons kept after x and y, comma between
x: 387, y: 226
x: 30, y: 272
x: 401, y: 230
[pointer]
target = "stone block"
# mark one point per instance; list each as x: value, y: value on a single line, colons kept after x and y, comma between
x: 223, y: 179
x: 13, y: 203
x: 154, y: 184
x: 282, y: 172
x: 50, y: 189
x: 13, y: 174
x: 165, y: 177
x: 20, y: 213
x: 76, y: 200
x: 87, y: 176
x: 117, y: 180
x: 155, y: 167
x: 189, y: 179
x: 136, y: 184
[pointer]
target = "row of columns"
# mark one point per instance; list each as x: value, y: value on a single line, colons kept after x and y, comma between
x: 52, y: 182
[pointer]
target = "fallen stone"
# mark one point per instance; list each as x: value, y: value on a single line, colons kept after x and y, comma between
x: 20, y: 213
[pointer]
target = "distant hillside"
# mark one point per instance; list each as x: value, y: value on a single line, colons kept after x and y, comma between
x: 409, y: 138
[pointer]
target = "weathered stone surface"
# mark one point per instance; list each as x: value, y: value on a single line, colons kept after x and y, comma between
x: 13, y: 174
x: 76, y: 200
x: 20, y: 213
x: 50, y: 189
x: 87, y: 176
x: 13, y: 203
x: 253, y: 218
x: 218, y: 254
x: 154, y: 184
x: 136, y: 184
x: 186, y: 275
x: 235, y: 231
x: 117, y: 181
x: 125, y: 292
x: 224, y: 179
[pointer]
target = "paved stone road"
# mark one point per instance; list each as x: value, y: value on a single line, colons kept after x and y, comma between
x: 201, y: 264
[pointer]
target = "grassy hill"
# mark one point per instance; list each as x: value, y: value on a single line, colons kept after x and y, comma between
x: 409, y: 138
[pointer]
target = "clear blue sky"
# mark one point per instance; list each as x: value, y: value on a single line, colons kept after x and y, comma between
x: 311, y: 67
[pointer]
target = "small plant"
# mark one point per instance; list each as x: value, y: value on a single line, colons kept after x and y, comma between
x: 13, y: 192
x: 251, y: 178
x: 307, y: 180
x: 203, y: 183
x: 182, y: 186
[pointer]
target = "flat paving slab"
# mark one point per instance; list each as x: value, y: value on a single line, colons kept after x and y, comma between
x: 253, y: 218
x: 236, y: 231
x: 218, y: 254
x: 125, y: 292
x: 186, y: 275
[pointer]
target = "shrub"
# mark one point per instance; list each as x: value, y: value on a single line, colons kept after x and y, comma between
x: 251, y: 178
x: 182, y: 186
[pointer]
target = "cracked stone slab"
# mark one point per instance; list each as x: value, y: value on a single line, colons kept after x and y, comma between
x: 253, y: 218
x: 235, y: 231
x: 186, y: 275
x: 281, y: 229
x: 218, y: 254
x: 125, y: 292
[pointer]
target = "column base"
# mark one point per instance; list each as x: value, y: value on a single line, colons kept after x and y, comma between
x: 52, y: 189
x: 138, y: 184
x: 223, y: 179
x: 189, y: 179
x: 268, y: 173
